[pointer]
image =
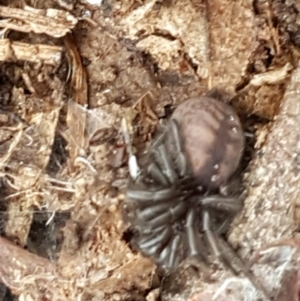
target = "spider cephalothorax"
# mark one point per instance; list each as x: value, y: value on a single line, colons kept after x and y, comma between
x: 178, y: 204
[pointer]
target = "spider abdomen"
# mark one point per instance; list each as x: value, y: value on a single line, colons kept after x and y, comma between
x: 212, y: 137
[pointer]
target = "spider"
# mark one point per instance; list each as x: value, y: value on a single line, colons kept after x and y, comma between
x: 184, y: 197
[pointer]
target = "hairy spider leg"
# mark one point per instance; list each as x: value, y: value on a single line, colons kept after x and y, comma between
x: 151, y: 196
x: 162, y: 154
x: 168, y: 257
x: 180, y: 159
x: 154, y: 242
x: 155, y: 172
x: 169, y: 216
x: 167, y: 165
x: 157, y: 220
x: 162, y: 168
x: 174, y: 259
x: 194, y: 248
x: 223, y: 227
x: 150, y: 231
x: 155, y: 210
x: 163, y: 257
x: 213, y: 242
x: 162, y: 158
x: 224, y: 256
x: 221, y: 203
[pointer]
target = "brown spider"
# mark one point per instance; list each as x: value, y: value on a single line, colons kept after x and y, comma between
x: 182, y: 198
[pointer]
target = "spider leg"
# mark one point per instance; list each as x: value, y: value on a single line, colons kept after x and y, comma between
x: 162, y: 157
x: 194, y: 248
x: 217, y: 242
x: 214, y: 93
x: 169, y: 257
x: 161, y: 209
x: 213, y: 241
x: 164, y: 256
x: 164, y: 160
x: 149, y: 231
x: 180, y: 160
x: 223, y: 227
x: 152, y: 211
x: 156, y: 174
x: 150, y: 244
x: 191, y: 233
x: 173, y: 259
x: 168, y: 216
x: 151, y: 196
x: 161, y: 148
x: 227, y: 204
x: 222, y: 204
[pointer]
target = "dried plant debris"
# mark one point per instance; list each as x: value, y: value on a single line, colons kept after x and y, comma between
x: 76, y: 117
x: 34, y: 141
x: 185, y: 33
x: 94, y: 231
x: 63, y: 281
x: 16, y: 261
x: 274, y: 183
x: 63, y: 155
x: 66, y: 4
x: 48, y: 54
x: 53, y: 22
x: 284, y: 15
x: 271, y: 77
x: 78, y: 79
x: 263, y: 94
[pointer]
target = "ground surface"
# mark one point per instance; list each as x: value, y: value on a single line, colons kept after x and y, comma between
x: 70, y: 72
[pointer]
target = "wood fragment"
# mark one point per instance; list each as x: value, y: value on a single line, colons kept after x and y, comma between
x: 53, y: 22
x: 17, y: 267
x: 76, y: 117
x: 271, y: 77
x: 11, y: 51
x: 273, y: 178
x: 78, y: 73
x: 274, y: 188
